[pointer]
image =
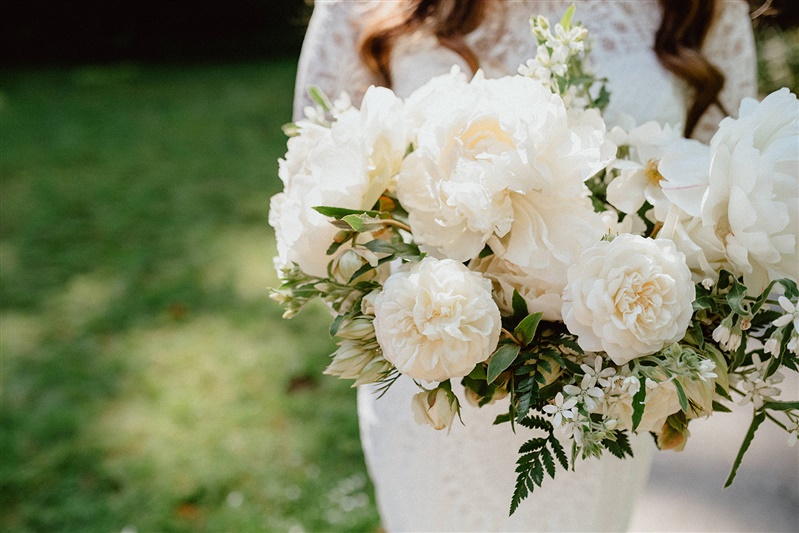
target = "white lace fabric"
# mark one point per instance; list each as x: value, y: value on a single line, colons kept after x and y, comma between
x: 431, y: 481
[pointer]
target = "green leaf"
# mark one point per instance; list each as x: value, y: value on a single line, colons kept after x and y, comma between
x: 319, y: 97
x: 400, y: 248
x: 501, y: 360
x: 681, y: 395
x: 736, y: 298
x: 525, y: 331
x: 756, y: 421
x: 638, y: 406
x: 367, y: 267
x: 501, y: 419
x: 341, y: 212
x: 560, y: 453
x: 549, y: 463
x: 519, y: 304
x: 336, y: 324
x: 566, y: 20
x: 781, y: 406
x: 720, y: 407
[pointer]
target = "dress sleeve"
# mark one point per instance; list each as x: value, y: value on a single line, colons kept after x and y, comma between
x: 329, y: 57
x: 730, y: 46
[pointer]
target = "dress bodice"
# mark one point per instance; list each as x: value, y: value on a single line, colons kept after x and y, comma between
x: 622, y: 35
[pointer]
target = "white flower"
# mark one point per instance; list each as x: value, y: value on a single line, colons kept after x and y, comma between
x: 628, y: 297
x: 772, y: 347
x: 639, y: 179
x: 488, y: 156
x: 347, y: 165
x: 587, y: 393
x: 436, y: 319
x: 561, y: 410
x: 540, y: 288
x: 751, y: 202
x: 791, y: 314
x: 436, y: 408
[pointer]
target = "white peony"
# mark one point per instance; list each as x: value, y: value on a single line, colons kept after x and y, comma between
x: 487, y: 157
x: 348, y: 165
x: 751, y: 196
x: 436, y: 320
x: 540, y: 288
x: 628, y: 297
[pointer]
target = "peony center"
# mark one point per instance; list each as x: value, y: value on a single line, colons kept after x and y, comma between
x: 484, y: 136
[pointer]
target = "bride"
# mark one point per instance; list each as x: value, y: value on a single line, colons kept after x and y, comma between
x: 680, y: 62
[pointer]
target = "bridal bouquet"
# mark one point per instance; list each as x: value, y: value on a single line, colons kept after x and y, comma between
x: 496, y: 232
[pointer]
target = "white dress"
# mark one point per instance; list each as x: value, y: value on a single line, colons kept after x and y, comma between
x: 463, y: 481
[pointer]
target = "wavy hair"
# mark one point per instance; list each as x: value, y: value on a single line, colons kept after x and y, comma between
x: 678, y: 41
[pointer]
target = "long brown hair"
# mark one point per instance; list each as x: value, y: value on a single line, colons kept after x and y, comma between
x: 678, y: 41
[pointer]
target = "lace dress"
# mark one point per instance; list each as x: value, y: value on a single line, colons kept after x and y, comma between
x: 462, y: 481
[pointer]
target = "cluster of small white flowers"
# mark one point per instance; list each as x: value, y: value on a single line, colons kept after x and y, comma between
x: 791, y: 316
x: 757, y: 386
x: 321, y: 113
x: 728, y: 334
x: 554, y: 53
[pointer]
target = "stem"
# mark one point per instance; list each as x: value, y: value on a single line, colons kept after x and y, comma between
x: 775, y: 421
x: 511, y: 336
x: 396, y: 224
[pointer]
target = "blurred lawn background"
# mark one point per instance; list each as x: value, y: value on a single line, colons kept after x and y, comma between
x: 148, y: 383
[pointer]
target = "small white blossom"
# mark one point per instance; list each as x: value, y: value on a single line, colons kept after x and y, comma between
x: 562, y: 410
x: 587, y: 393
x: 599, y: 374
x: 772, y: 346
x: 708, y: 283
x: 791, y: 314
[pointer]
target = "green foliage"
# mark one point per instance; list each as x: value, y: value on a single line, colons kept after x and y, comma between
x: 750, y: 434
x: 501, y: 360
x: 536, y: 456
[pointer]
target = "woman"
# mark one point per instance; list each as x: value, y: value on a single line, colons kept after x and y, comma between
x: 677, y: 62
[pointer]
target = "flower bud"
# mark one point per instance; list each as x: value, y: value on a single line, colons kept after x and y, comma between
x: 436, y: 408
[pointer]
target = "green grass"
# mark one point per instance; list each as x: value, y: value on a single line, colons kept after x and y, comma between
x: 147, y: 379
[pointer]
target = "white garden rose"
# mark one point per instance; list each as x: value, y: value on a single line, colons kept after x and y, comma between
x: 486, y: 159
x: 628, y: 297
x: 436, y: 320
x: 751, y: 198
x: 348, y: 165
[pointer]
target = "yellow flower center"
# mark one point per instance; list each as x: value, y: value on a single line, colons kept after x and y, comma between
x: 652, y: 172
